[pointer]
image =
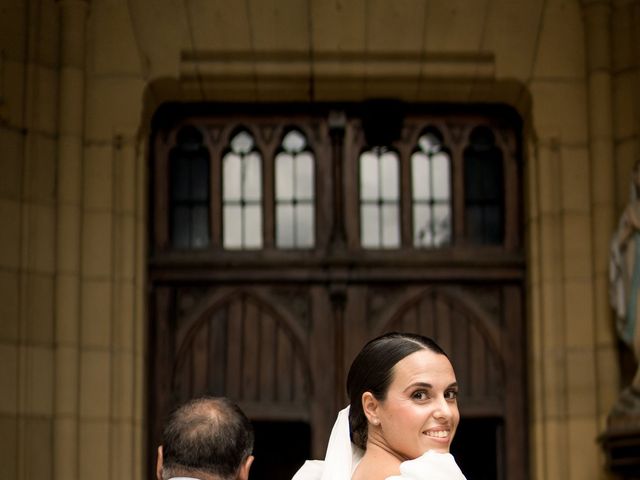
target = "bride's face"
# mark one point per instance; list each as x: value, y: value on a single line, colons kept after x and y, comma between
x: 420, y: 411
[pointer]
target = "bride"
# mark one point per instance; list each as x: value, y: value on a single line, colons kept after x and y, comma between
x: 402, y: 419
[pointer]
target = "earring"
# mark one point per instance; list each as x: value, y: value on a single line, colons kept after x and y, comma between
x: 375, y: 422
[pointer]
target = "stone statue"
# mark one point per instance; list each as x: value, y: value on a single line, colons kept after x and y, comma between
x: 624, y: 276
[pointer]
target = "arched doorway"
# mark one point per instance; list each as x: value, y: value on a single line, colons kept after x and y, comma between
x: 285, y: 236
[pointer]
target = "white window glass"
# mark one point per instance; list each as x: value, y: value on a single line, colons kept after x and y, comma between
x: 284, y: 176
x: 232, y: 177
x: 232, y: 226
x: 389, y: 176
x: 370, y: 226
x: 369, y: 189
x: 304, y: 176
x: 390, y: 230
x: 295, y: 193
x: 252, y: 177
x: 252, y: 227
x: 379, y: 199
x: 242, y: 194
x: 431, y: 192
x: 284, y: 226
x: 305, y: 228
x: 441, y: 180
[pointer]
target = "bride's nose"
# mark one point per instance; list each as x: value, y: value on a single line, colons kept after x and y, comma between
x: 442, y: 409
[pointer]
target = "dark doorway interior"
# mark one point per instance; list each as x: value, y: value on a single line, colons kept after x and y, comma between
x: 280, y: 449
x: 477, y: 446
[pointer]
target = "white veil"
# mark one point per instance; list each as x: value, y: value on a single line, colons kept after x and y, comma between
x: 341, y: 458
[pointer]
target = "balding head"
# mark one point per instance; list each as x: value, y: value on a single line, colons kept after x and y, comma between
x: 208, y: 438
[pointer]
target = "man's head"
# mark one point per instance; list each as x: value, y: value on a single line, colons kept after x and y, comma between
x: 207, y: 438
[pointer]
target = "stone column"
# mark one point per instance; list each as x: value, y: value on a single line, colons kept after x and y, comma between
x: 73, y: 15
x: 597, y: 18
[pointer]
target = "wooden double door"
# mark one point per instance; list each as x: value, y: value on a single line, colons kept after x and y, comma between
x: 277, y: 328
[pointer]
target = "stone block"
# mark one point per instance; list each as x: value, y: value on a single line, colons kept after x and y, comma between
x: 97, y: 244
x: 39, y: 381
x: 41, y: 237
x: 9, y: 446
x: 112, y: 41
x: 579, y: 315
x: 568, y: 123
x: 113, y: 106
x: 38, y: 448
x: 338, y: 26
x: 13, y: 91
x: 584, y: 456
x: 561, y: 42
x: 45, y: 93
x: 95, y: 385
x: 67, y: 381
x: 576, y: 178
x: 9, y: 379
x: 10, y: 234
x: 98, y: 177
x: 96, y: 313
x: 9, y: 289
x: 94, y: 450
x: 581, y: 382
x: 512, y: 37
x: 39, y: 308
x: 576, y: 246
x: 279, y: 29
x: 11, y: 145
x: 40, y: 168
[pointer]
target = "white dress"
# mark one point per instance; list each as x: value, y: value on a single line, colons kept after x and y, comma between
x: 343, y: 457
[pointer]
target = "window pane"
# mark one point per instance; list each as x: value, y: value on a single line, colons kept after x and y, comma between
x: 422, y: 225
x: 200, y: 179
x: 294, y: 142
x: 242, y: 143
x: 441, y: 225
x: 253, y: 226
x: 284, y: 177
x: 179, y: 178
x: 284, y: 226
x: 304, y: 176
x: 252, y: 177
x: 441, y: 181
x: 305, y: 226
x: 429, y: 143
x: 370, y: 226
x: 231, y: 177
x: 369, y: 176
x: 473, y: 223
x: 389, y: 172
x: 232, y: 226
x: 493, y: 224
x: 390, y: 226
x: 180, y: 226
x: 200, y: 227
x: 420, y: 176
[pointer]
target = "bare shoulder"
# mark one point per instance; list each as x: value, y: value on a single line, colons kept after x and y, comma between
x: 369, y: 469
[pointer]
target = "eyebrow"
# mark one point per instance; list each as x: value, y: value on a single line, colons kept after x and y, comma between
x: 429, y: 386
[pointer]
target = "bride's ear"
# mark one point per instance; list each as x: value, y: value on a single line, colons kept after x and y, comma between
x: 370, y: 407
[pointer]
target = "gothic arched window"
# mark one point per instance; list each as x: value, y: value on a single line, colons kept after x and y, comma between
x: 379, y: 198
x: 189, y: 191
x: 242, y: 193
x: 431, y: 191
x: 295, y: 193
x: 483, y: 188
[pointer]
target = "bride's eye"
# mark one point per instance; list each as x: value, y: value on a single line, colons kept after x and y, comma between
x: 451, y: 394
x: 420, y: 395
